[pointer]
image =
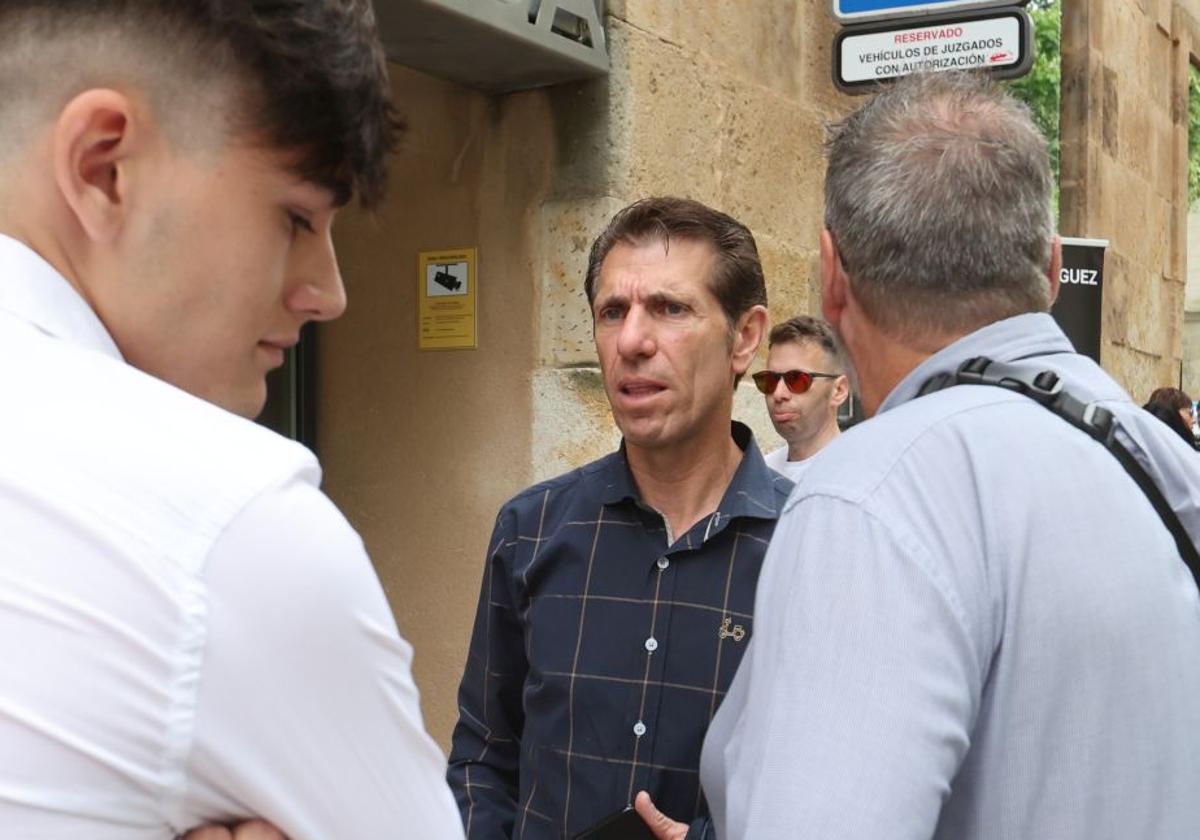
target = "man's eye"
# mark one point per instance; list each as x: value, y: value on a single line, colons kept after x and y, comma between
x: 299, y: 222
x: 672, y: 308
x: 608, y: 313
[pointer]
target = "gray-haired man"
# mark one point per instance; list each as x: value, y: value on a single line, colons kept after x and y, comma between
x: 970, y: 622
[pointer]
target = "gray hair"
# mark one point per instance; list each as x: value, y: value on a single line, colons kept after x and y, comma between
x: 937, y: 194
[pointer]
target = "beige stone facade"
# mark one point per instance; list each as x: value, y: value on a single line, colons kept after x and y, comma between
x: 1124, y: 171
x: 720, y: 100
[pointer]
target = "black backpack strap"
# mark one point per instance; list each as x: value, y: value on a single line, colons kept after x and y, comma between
x: 1046, y: 388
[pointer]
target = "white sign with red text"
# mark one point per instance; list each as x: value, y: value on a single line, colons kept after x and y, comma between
x: 984, y: 43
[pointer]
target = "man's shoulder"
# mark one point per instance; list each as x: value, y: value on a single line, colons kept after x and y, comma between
x: 587, y: 480
x: 914, y: 440
x: 136, y: 447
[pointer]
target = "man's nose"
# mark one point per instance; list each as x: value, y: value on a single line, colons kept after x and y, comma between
x: 636, y: 338
x: 319, y: 294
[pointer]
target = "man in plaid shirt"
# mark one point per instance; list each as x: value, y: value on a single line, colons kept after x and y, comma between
x: 617, y: 599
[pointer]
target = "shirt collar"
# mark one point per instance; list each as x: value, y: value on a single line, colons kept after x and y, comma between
x: 33, y: 291
x: 1009, y: 340
x: 752, y: 491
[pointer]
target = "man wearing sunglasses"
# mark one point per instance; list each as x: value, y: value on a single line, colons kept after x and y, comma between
x: 971, y: 623
x: 803, y: 385
x: 618, y: 599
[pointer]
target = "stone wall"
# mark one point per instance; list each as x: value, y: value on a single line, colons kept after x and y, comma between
x: 718, y: 100
x: 1124, y: 171
x: 721, y: 100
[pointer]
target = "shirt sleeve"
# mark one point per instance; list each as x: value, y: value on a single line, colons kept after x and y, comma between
x: 862, y: 687
x: 306, y: 712
x: 486, y: 749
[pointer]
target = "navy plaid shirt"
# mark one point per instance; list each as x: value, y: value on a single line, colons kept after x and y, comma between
x: 600, y: 653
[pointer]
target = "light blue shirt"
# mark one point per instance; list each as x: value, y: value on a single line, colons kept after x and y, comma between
x: 971, y: 624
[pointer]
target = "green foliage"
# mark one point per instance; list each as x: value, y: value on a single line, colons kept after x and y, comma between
x: 1041, y: 88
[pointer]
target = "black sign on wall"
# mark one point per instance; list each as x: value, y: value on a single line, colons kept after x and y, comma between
x: 1081, y: 293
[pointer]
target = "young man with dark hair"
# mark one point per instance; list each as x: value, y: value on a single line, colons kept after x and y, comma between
x: 190, y: 630
x: 617, y: 599
x: 803, y: 385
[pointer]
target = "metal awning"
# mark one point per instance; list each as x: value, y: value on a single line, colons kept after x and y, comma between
x: 496, y: 45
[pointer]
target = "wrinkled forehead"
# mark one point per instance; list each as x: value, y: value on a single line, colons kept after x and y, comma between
x: 657, y: 266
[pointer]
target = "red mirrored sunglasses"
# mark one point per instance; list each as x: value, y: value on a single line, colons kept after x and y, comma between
x: 797, y: 381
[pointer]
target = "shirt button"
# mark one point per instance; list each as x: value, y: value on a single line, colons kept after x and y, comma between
x: 652, y: 644
x: 663, y: 562
x: 639, y: 729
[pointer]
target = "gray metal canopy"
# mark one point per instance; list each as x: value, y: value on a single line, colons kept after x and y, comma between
x: 497, y: 46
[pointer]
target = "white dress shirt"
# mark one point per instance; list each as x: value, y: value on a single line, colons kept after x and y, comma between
x: 971, y: 625
x: 189, y: 629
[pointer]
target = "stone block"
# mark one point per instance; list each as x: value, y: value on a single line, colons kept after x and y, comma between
x: 685, y: 124
x: 1136, y: 135
x: 1160, y: 71
x: 765, y: 42
x: 1138, y: 373
x: 1162, y: 17
x: 566, y: 231
x: 1170, y: 179
x: 1172, y: 295
x: 770, y: 165
x: 1157, y: 233
x: 816, y: 62
x: 667, y: 117
x: 1110, y: 113
x: 1124, y: 40
x: 1126, y: 208
x: 1145, y: 314
x: 590, y: 123
x: 1114, y: 316
x: 793, y: 277
x: 793, y: 285
x: 1079, y: 117
x: 572, y: 422
x: 1077, y: 22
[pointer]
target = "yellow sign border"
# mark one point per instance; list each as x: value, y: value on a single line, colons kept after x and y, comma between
x: 457, y: 313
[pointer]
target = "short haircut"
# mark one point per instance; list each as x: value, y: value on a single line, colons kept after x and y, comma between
x: 737, y: 280
x: 1173, y: 397
x: 306, y: 77
x: 806, y: 328
x: 937, y: 195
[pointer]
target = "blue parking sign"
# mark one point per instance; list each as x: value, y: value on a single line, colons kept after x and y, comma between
x: 853, y: 11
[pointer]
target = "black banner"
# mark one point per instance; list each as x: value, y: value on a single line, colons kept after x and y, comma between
x: 1081, y: 293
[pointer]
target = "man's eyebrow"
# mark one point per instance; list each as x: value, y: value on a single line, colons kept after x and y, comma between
x: 660, y: 297
x: 611, y: 299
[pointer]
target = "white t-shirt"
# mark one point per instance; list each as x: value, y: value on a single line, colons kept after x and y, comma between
x: 189, y: 629
x: 777, y: 459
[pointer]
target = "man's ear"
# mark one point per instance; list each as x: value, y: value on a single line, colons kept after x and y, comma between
x: 1055, y: 272
x: 752, y: 326
x: 841, y: 390
x: 93, y: 139
x: 833, y: 280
